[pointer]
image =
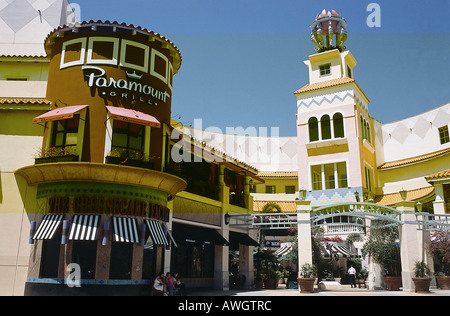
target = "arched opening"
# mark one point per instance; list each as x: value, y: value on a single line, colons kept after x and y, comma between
x: 325, y: 127
x: 313, y: 126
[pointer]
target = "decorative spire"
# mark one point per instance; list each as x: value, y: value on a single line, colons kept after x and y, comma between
x: 328, y: 31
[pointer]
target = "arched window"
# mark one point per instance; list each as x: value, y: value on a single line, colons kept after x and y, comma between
x: 325, y: 127
x: 313, y: 126
x: 365, y: 129
x: 338, y: 125
x: 368, y: 132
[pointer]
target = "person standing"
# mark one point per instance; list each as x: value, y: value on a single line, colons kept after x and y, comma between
x: 169, y: 283
x: 352, y: 272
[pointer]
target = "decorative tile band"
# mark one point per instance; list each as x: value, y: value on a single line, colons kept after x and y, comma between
x: 89, y: 282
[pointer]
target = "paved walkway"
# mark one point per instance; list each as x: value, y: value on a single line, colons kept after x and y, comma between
x: 345, y: 290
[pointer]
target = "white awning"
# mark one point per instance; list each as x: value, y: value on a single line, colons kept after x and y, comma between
x: 84, y: 227
x: 48, y: 227
x: 157, y: 233
x: 125, y: 230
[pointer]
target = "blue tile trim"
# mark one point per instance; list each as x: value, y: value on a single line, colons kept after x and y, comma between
x: 91, y: 282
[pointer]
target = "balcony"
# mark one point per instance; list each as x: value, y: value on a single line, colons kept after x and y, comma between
x: 57, y: 154
x: 130, y: 162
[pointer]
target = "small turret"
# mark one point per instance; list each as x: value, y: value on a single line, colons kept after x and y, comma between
x: 328, y: 31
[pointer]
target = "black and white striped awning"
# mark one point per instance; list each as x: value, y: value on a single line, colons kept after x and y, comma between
x: 157, y: 232
x: 48, y: 227
x: 84, y: 227
x: 125, y: 230
x: 284, y: 249
x: 341, y: 251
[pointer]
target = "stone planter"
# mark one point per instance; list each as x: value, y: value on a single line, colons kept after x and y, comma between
x: 129, y: 162
x: 443, y: 282
x: 422, y: 284
x: 56, y: 159
x: 393, y: 283
x: 306, y: 285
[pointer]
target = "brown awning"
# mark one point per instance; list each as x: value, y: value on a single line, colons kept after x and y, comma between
x: 132, y: 116
x: 63, y: 113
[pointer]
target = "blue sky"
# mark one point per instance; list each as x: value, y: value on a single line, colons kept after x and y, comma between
x: 243, y: 59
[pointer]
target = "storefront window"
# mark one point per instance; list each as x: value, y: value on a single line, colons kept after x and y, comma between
x: 65, y: 133
x: 121, y: 260
x: 84, y: 253
x: 193, y: 261
x: 50, y: 256
x: 128, y: 138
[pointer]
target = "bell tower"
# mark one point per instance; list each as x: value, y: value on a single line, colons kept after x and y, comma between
x: 332, y: 61
x: 336, y: 153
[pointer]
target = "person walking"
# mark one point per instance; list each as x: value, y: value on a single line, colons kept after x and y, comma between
x: 352, y: 272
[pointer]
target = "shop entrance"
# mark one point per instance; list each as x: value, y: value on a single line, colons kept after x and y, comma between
x: 414, y: 227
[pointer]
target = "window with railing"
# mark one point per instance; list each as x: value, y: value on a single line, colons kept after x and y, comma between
x: 329, y: 176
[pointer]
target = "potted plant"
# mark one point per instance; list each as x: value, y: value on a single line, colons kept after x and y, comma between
x: 422, y: 278
x: 307, y: 278
x: 273, y: 278
x: 440, y: 247
x: 384, y: 249
x: 56, y: 154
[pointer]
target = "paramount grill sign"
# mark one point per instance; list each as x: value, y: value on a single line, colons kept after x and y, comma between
x: 122, y: 88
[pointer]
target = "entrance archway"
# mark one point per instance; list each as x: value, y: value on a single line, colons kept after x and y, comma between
x: 414, y: 227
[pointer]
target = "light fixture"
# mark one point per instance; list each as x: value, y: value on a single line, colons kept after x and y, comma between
x: 302, y: 194
x: 419, y: 207
x: 227, y: 218
x: 32, y: 229
x: 403, y: 194
x: 356, y: 196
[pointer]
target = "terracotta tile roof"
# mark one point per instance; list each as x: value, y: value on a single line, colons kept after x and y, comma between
x: 413, y: 195
x: 278, y: 174
x: 324, y: 84
x: 439, y: 175
x: 24, y: 56
x: 25, y: 101
x: 286, y: 206
x: 416, y: 159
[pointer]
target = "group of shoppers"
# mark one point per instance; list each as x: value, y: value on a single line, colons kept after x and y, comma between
x: 168, y: 284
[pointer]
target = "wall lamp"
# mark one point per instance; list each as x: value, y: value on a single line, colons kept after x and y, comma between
x: 227, y: 218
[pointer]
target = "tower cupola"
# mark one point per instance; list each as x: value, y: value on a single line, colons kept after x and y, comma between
x: 328, y: 31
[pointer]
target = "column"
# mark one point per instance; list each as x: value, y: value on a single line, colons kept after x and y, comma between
x: 246, y: 265
x: 221, y: 266
x: 412, y: 244
x: 439, y: 202
x: 304, y: 233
